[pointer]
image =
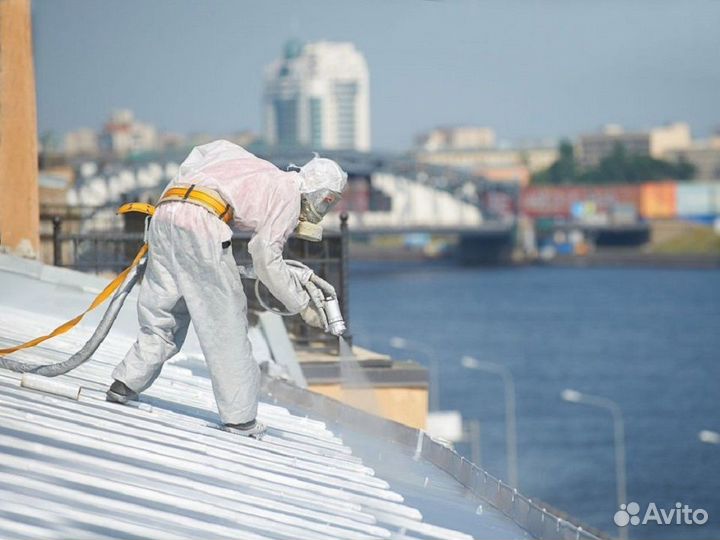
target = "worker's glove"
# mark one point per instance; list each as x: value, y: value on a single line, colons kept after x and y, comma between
x: 310, y: 281
x: 327, y: 290
x: 318, y: 290
x: 302, y: 274
x: 314, y: 317
x: 317, y: 299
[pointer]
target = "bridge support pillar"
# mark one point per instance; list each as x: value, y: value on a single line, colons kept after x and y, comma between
x: 486, y: 248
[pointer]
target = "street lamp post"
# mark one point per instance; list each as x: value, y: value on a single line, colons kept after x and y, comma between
x: 434, y: 368
x: 573, y: 396
x: 510, y: 415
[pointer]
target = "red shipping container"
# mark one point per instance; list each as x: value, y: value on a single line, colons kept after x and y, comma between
x: 557, y: 201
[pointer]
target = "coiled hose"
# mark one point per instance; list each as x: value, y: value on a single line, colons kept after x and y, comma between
x: 92, y: 344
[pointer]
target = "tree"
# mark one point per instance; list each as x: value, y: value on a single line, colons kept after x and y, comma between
x: 563, y: 171
x: 619, y: 167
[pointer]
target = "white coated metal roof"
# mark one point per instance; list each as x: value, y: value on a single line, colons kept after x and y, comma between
x: 87, y: 468
x: 160, y: 468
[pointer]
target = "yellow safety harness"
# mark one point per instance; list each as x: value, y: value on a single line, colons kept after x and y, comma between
x: 206, y: 198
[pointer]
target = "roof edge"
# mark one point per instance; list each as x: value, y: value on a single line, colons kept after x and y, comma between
x: 536, y: 517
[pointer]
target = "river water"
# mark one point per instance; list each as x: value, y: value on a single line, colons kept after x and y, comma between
x: 648, y: 339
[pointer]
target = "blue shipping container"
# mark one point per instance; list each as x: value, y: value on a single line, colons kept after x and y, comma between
x: 697, y: 199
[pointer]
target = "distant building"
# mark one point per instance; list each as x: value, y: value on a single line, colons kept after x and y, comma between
x: 318, y: 96
x: 675, y: 136
x: 704, y: 155
x: 510, y: 165
x: 81, y: 142
x: 172, y: 141
x: 123, y: 135
x: 656, y: 142
x: 515, y: 174
x: 473, y: 148
x: 243, y: 138
x: 456, y: 138
x: 53, y: 185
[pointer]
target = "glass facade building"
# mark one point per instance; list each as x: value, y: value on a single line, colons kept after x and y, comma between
x: 317, y: 96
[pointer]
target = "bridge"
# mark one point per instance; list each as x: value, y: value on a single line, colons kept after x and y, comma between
x: 386, y: 195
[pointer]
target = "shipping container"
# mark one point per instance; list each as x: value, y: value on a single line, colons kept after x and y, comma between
x: 624, y: 214
x: 544, y: 202
x: 583, y: 210
x: 658, y: 200
x: 716, y: 198
x: 695, y: 200
x: 560, y: 201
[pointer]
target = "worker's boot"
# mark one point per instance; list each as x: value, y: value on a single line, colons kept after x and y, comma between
x: 120, y: 393
x: 253, y: 429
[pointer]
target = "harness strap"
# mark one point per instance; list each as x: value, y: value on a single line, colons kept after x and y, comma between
x: 205, y: 197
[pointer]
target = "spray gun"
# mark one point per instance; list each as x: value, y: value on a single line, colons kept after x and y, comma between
x: 322, y: 295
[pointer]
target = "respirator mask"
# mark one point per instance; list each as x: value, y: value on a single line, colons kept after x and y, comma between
x: 313, y: 207
x: 322, y: 183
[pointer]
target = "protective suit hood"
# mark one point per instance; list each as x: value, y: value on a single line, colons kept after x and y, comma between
x: 322, y: 173
x: 216, y: 152
x: 321, y: 184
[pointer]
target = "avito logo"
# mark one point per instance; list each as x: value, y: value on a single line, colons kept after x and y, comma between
x: 681, y: 514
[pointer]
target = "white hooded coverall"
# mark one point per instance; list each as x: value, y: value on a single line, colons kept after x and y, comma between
x: 189, y: 274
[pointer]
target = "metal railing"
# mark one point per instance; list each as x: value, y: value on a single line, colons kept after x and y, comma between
x: 111, y: 252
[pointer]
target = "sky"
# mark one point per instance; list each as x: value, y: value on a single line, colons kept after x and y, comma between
x: 530, y: 69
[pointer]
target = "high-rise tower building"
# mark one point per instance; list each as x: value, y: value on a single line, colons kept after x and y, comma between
x: 317, y: 96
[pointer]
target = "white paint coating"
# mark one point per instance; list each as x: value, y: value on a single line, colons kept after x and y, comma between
x: 85, y: 468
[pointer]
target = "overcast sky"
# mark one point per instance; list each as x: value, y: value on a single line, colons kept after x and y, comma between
x: 529, y: 69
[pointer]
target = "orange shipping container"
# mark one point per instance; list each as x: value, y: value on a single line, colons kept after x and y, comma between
x: 658, y: 200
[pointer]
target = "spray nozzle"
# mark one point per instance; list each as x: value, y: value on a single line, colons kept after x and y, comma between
x: 336, y: 323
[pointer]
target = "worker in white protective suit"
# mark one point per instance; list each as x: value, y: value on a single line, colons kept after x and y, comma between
x: 191, y: 272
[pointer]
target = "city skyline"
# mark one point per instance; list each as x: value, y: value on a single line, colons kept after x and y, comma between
x: 537, y: 72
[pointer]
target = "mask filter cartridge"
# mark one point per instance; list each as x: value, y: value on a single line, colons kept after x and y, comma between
x: 309, y: 231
